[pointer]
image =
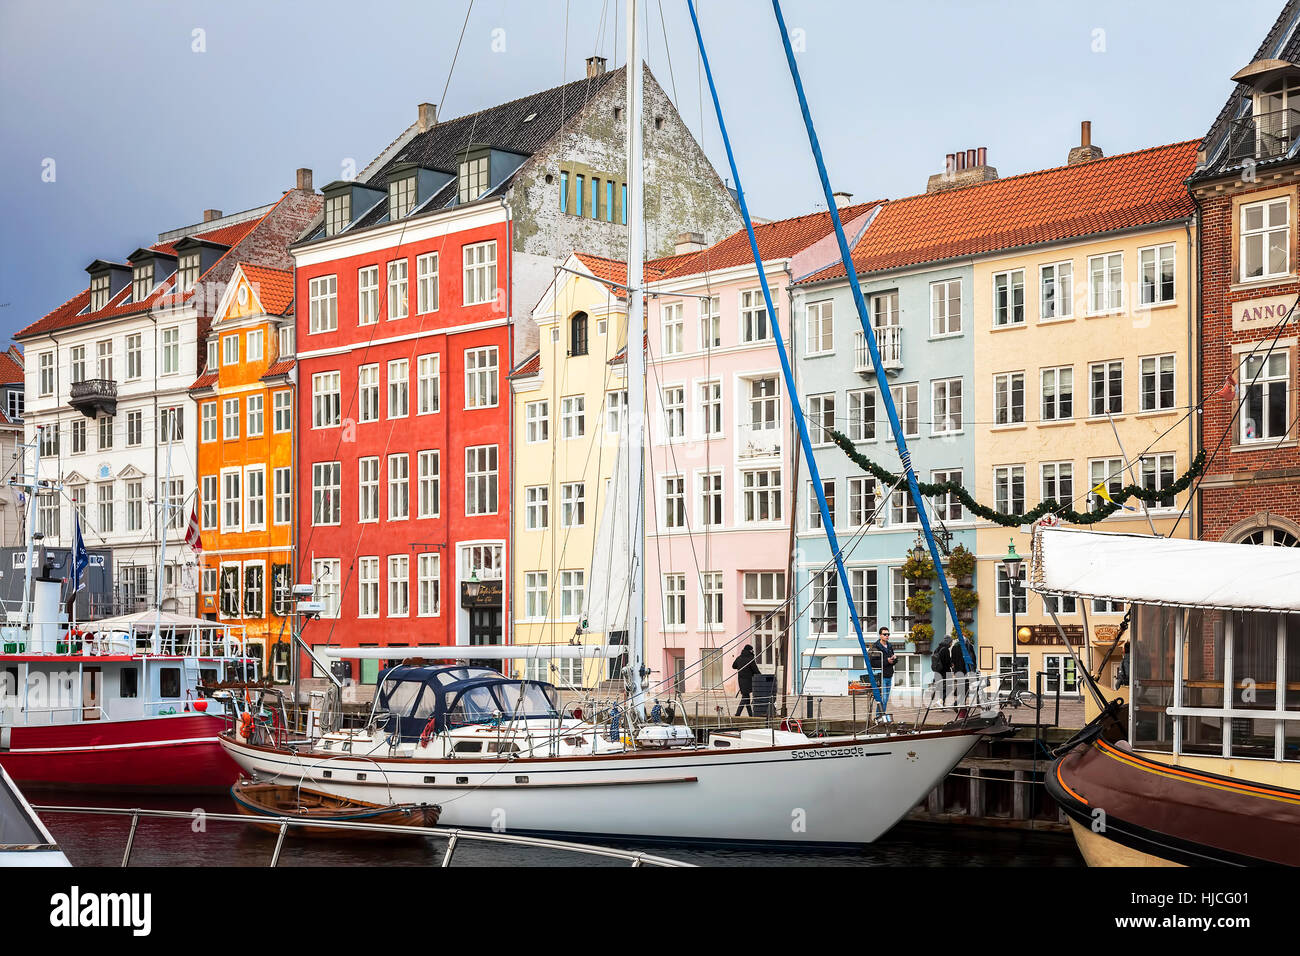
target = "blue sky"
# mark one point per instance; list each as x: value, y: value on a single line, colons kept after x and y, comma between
x: 145, y: 131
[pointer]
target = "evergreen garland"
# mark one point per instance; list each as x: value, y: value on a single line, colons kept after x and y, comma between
x: 1050, y: 506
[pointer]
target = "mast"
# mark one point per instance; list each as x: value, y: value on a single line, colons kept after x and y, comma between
x: 31, y: 484
x: 635, y: 368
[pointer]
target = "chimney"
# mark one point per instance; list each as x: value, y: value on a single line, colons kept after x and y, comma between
x: 211, y: 214
x: 595, y: 66
x: 428, y: 117
x: 842, y: 199
x: 1085, y: 151
x: 965, y: 167
x: 303, y: 180
x: 689, y: 242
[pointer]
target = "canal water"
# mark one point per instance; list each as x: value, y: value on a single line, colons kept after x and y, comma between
x: 100, y: 840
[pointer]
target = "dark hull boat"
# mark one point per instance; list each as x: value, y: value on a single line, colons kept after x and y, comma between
x: 1129, y: 810
x: 276, y: 802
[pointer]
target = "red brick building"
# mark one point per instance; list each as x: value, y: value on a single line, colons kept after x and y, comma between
x: 1247, y: 189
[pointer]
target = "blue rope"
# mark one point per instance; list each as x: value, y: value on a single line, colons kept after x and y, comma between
x: 847, y: 258
x: 827, y: 524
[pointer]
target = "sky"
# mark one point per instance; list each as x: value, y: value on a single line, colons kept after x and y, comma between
x: 122, y: 120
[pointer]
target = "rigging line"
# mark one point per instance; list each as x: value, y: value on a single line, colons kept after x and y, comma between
x: 452, y: 69
x: 667, y: 52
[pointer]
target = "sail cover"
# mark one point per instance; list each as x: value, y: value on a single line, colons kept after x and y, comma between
x: 609, y: 584
x: 1145, y: 569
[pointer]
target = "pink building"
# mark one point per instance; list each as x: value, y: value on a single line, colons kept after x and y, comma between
x: 719, y: 472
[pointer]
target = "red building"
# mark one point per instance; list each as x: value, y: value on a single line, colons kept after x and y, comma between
x: 1247, y: 190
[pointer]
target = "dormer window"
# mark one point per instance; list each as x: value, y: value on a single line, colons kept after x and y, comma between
x: 187, y: 273
x: 99, y: 291
x: 474, y: 178
x: 286, y: 341
x: 141, y: 282
x: 401, y: 197
x: 212, y: 354
x: 338, y: 213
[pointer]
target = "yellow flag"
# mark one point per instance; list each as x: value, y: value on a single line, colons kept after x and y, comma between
x: 1101, y: 492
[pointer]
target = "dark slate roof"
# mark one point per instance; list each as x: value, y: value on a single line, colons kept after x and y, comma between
x: 1282, y: 42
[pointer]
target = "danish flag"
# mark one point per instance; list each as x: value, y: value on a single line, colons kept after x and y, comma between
x: 192, y: 536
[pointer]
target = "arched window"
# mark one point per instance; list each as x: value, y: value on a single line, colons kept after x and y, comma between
x: 578, y: 334
x: 1271, y: 536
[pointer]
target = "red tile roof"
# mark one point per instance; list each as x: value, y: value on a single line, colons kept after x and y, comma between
x: 274, y: 287
x: 11, y: 366
x: 1050, y: 205
x: 279, y: 367
x: 205, y: 380
x: 614, y: 271
x: 529, y: 366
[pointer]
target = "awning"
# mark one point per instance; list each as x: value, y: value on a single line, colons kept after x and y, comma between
x: 1144, y: 569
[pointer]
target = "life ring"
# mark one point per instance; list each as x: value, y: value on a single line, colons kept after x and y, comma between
x: 427, y: 733
x: 793, y: 726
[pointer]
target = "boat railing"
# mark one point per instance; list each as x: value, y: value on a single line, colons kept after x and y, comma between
x: 452, y: 835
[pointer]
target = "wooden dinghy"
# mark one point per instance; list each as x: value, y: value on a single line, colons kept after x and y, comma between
x: 277, y: 801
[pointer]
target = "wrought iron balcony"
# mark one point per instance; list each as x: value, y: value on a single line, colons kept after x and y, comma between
x: 889, y: 340
x: 94, y: 397
x: 1264, y: 136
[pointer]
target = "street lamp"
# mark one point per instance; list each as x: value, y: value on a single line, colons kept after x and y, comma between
x: 472, y: 585
x: 1011, y: 565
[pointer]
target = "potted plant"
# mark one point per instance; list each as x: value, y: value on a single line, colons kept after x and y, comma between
x: 961, y: 565
x: 922, y: 635
x: 965, y: 600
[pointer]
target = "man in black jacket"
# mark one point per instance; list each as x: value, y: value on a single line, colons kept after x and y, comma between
x: 745, y: 666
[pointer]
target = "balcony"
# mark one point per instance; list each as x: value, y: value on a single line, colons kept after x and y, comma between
x: 94, y: 397
x: 758, y: 441
x: 889, y: 340
x: 1263, y: 137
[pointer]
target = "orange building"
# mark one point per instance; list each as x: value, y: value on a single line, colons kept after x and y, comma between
x: 245, y: 462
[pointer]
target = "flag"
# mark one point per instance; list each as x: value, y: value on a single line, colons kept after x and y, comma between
x: 192, y: 536
x: 80, y: 557
x: 1229, y: 387
x: 1101, y: 492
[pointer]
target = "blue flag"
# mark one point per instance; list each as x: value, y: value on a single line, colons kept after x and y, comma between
x: 80, y: 557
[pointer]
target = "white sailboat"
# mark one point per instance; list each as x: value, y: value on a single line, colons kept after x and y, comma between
x: 501, y: 753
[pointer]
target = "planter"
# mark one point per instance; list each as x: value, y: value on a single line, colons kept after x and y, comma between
x: 966, y: 616
x: 921, y: 647
x: 965, y: 581
x: 909, y: 647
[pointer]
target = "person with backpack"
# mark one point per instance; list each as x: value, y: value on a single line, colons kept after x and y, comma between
x: 957, y: 665
x: 746, y: 666
x: 883, y: 658
x: 941, y: 665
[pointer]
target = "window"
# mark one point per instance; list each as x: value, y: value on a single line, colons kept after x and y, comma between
x: 1266, y: 406
x: 535, y: 595
x: 1057, y: 481
x: 187, y: 271
x: 578, y: 334
x: 256, y: 416
x: 228, y: 595
x: 615, y: 411
x: 1063, y: 605
x: 141, y: 282
x: 821, y: 418
x: 1009, y: 298
x: 1265, y: 239
x: 325, y: 575
x: 255, y: 345
x: 1157, y: 473
x: 427, y: 384
x: 231, y: 500
x: 674, y: 412
x: 1057, y: 389
x: 945, y: 307
x: 48, y: 514
x: 825, y: 602
x: 230, y: 419
x: 754, y: 323
x: 474, y: 178
x: 1106, y: 388
x: 862, y: 501
x: 572, y: 585
x: 573, y: 419
x: 711, y: 408
x: 429, y: 585
x: 537, y: 507
x: 368, y: 489
x: 285, y: 344
x: 171, y: 352
x: 1156, y: 388
x: 902, y: 509
x: 399, y: 487
x: 537, y: 422
x: 79, y: 435
x: 1156, y: 275
x: 323, y: 306
x: 49, y: 444
x: 430, y: 477
x: 174, y: 500
x: 580, y: 188
x: 481, y: 378
x: 1106, y: 283
x: 134, y: 357
x: 1009, y: 489
x: 1108, y: 472
x: 906, y: 404
x: 480, y: 273
x: 212, y: 354
x: 674, y: 502
x: 327, y: 409
x: 104, y: 357
x: 761, y: 494
x: 367, y: 295
x: 865, y: 595
x: 105, y: 434
x: 77, y: 363
x: 674, y: 334
x: 711, y: 598
x: 100, y: 286
x: 1061, y: 672
x: 282, y: 405
x: 711, y: 499
x: 945, y: 406
x: 1009, y: 398
x: 1007, y: 589
x: 171, y: 424
x: 104, y: 498
x: 399, y: 373
x: 398, y: 306
x: 326, y: 493
x: 426, y: 278
x: 399, y: 585
x: 948, y: 507
x: 368, y: 393
x: 338, y: 213
x: 674, y: 600
x: 820, y: 328
x: 710, y: 323
x: 814, y: 507
x: 135, y: 427
x: 1056, y: 291
x: 862, y: 415
x: 211, y: 502
x: 764, y: 588
x: 764, y: 404
x: 573, y: 504
x: 283, y: 495
x: 78, y: 496
x: 401, y: 197
x: 481, y: 480
x: 45, y: 375
x: 368, y: 587
x: 255, y: 519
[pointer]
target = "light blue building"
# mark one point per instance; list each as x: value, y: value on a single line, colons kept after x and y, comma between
x: 923, y: 320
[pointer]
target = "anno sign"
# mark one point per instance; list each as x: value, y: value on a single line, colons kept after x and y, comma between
x: 1261, y: 313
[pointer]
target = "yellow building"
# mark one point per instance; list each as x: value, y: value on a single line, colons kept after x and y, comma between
x: 245, y: 463
x: 569, y: 399
x: 1084, y: 374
